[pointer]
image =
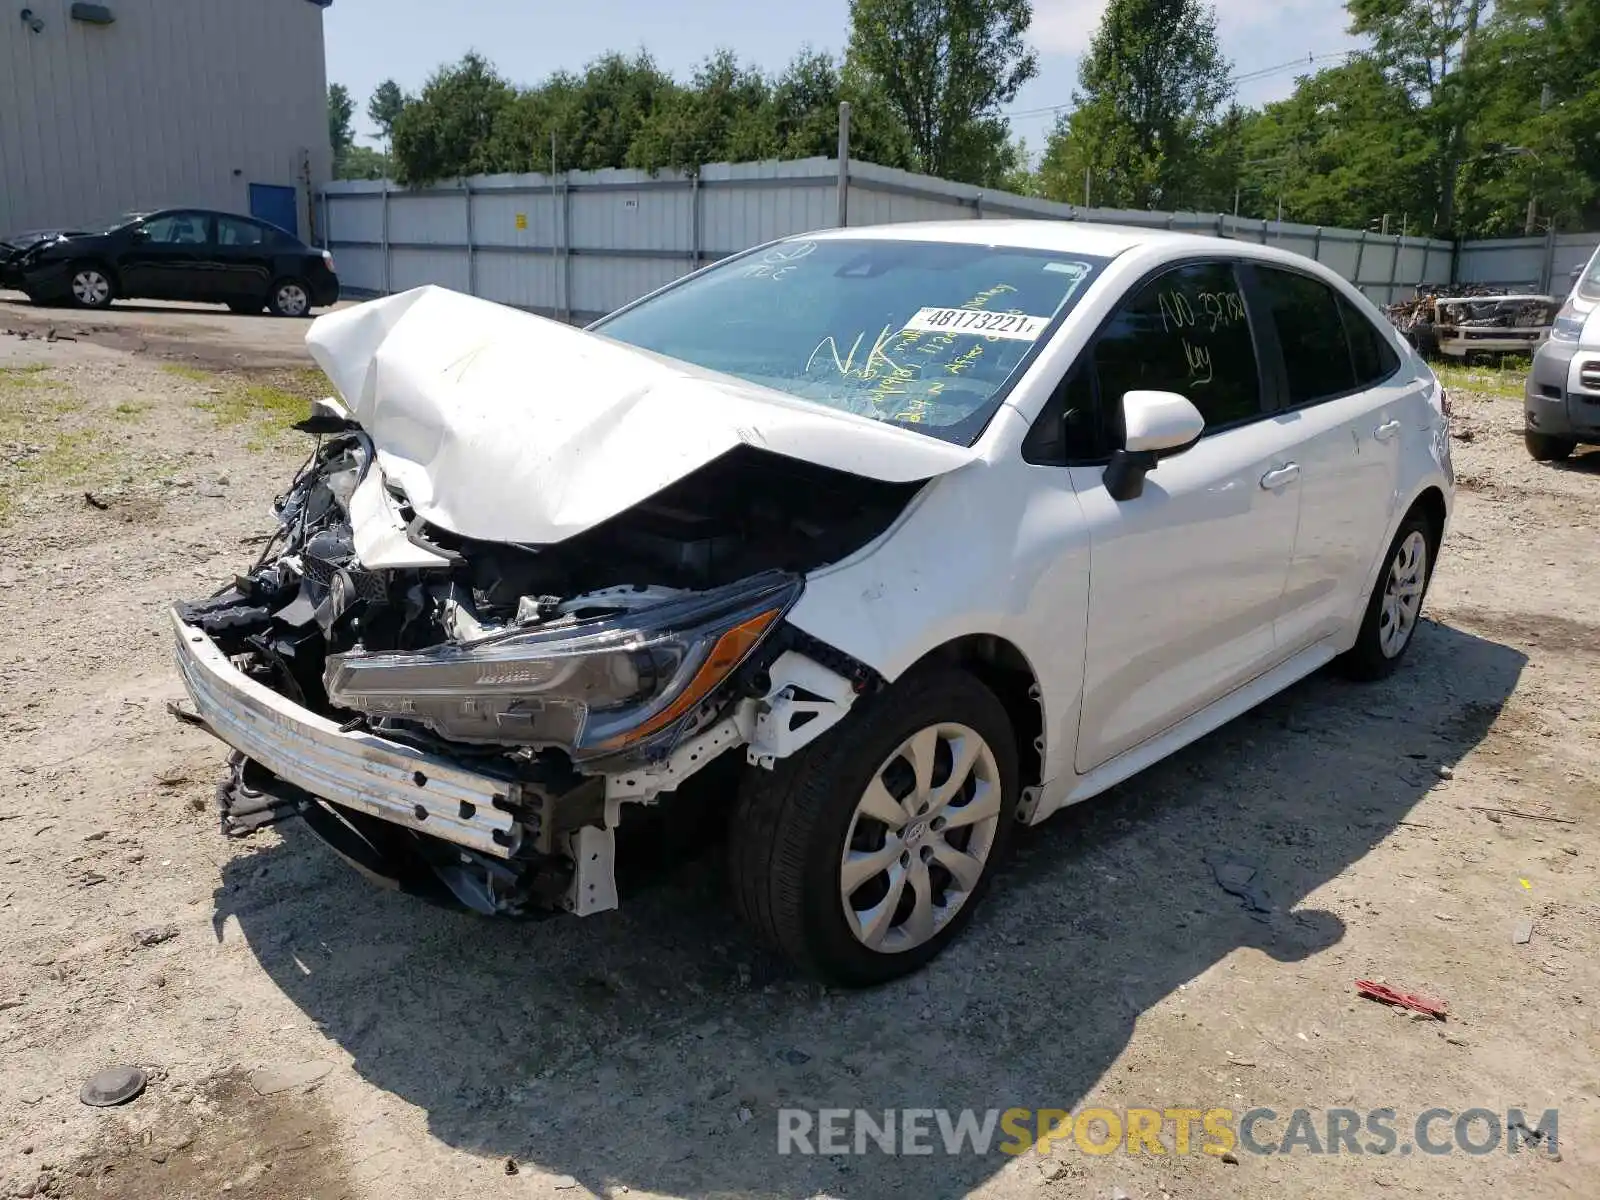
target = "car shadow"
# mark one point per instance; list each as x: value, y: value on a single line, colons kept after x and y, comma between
x: 1581, y: 463
x: 652, y: 1046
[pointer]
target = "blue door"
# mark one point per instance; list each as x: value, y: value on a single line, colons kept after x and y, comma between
x: 276, y: 205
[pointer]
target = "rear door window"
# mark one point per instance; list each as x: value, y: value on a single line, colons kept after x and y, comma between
x: 1316, y: 355
x: 231, y: 231
x: 1371, y: 355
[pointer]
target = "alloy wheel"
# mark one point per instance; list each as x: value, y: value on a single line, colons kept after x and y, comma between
x: 1402, y: 594
x: 920, y: 838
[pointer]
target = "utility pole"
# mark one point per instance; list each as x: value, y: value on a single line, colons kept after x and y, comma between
x: 1532, y: 225
x: 844, y: 163
x: 1087, y: 172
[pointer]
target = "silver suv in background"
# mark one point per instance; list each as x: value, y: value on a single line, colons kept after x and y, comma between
x: 1562, y: 396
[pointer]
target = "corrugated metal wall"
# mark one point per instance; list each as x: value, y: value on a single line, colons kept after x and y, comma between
x: 178, y: 102
x: 585, y: 243
x: 1536, y: 264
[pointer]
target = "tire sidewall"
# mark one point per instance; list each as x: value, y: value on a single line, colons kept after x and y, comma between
x: 913, y: 704
x: 1368, y: 644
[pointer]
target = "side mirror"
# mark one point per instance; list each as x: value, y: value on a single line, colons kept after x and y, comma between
x: 1156, y: 425
x: 140, y: 234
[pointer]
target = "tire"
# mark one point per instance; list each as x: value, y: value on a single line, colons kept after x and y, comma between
x: 245, y: 308
x: 91, y: 286
x: 289, y: 298
x: 1544, y: 448
x: 793, y: 826
x: 1377, y: 651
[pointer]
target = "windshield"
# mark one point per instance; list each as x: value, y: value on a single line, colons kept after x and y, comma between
x: 116, y: 222
x: 1589, y: 281
x: 923, y: 334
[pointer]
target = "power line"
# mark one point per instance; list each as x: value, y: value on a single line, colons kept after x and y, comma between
x: 1247, y: 77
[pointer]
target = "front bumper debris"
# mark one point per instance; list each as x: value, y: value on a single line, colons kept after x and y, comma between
x: 358, y: 770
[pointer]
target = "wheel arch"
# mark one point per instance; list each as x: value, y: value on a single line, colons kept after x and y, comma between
x: 1004, y: 669
x: 1430, y: 503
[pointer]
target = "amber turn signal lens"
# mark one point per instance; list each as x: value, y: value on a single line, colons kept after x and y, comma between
x: 727, y: 654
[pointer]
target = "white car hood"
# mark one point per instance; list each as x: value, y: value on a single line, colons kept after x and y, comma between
x: 507, y: 427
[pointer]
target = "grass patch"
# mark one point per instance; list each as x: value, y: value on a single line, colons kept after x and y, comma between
x: 268, y: 404
x: 129, y: 411
x: 27, y: 379
x: 31, y: 412
x: 1503, y: 380
x: 183, y: 371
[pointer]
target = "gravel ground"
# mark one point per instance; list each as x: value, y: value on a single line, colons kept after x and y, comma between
x: 406, y: 1051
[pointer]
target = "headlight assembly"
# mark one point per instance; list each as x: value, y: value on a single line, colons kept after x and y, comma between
x: 1568, y: 325
x: 594, y: 686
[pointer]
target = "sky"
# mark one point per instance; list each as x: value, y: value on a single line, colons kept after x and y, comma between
x: 372, y: 40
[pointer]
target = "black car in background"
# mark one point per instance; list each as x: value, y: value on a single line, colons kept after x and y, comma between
x: 175, y: 254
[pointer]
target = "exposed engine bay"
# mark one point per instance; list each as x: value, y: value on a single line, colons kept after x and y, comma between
x: 598, y: 670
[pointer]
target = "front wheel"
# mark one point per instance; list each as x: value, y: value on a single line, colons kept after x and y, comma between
x: 1396, y: 602
x: 864, y: 855
x: 91, y: 287
x: 289, y: 298
x: 1544, y: 448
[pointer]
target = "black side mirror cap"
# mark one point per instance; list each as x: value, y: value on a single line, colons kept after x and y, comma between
x: 1124, y: 477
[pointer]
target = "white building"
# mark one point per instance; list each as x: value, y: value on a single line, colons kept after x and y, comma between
x: 134, y: 104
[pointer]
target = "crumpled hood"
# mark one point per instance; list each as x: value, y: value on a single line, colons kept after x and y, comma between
x: 503, y: 426
x: 30, y: 239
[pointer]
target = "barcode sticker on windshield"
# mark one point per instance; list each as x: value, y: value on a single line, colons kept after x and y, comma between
x: 1015, y: 326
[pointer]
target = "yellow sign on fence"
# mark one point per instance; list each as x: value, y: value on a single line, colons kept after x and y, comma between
x: 522, y: 220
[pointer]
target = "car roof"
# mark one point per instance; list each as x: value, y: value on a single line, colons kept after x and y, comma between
x: 1080, y: 237
x: 1066, y: 237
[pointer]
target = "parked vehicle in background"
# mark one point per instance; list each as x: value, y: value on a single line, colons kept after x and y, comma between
x: 1508, y: 324
x: 1475, y: 321
x: 920, y: 531
x: 175, y: 254
x: 1561, y: 400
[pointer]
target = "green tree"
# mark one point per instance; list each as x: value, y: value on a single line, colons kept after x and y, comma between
x: 1152, y: 87
x: 725, y: 115
x: 1350, y: 145
x: 362, y: 162
x: 384, y: 108
x: 946, y: 67
x: 448, y: 131
x: 341, y: 112
x: 1533, y: 150
x: 1427, y: 46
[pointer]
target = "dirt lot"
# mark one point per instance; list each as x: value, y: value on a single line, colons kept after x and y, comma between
x: 411, y: 1052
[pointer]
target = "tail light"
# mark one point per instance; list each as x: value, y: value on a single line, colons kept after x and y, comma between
x: 327, y: 257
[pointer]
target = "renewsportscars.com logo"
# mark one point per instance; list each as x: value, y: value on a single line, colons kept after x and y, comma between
x: 1174, y: 1131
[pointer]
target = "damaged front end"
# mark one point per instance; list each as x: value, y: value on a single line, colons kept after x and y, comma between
x: 466, y: 718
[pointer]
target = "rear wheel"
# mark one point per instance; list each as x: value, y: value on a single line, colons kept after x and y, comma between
x: 289, y: 298
x: 1544, y: 448
x: 91, y: 286
x: 865, y: 854
x: 1396, y: 602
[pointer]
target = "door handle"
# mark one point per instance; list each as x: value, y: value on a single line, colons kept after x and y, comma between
x: 1386, y: 431
x: 1281, y: 476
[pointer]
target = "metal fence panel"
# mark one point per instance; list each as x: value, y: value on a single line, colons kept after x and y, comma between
x: 586, y: 242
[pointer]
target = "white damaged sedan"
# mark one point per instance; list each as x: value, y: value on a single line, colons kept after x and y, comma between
x: 916, y: 531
